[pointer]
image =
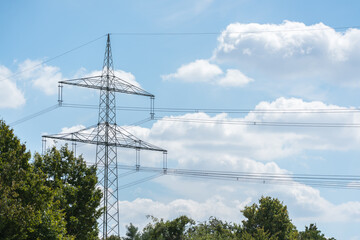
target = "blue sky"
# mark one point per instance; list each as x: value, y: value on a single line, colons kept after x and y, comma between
x: 281, y: 55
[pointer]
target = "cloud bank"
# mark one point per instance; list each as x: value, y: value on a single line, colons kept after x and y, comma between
x: 292, y: 50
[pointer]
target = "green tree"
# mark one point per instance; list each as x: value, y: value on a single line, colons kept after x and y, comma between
x: 259, y: 234
x: 132, y: 233
x: 214, y: 229
x: 76, y: 184
x: 271, y: 216
x: 312, y: 233
x: 113, y: 237
x: 169, y: 230
x: 28, y: 208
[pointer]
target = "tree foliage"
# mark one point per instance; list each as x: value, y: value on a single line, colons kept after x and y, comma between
x: 313, y: 233
x: 76, y: 183
x: 55, y: 197
x: 132, y: 233
x: 166, y: 230
x: 271, y: 216
x: 214, y: 229
x: 28, y: 207
x: 268, y: 220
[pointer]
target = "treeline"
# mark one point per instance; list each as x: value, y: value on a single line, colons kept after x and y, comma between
x: 54, y: 196
x: 268, y: 220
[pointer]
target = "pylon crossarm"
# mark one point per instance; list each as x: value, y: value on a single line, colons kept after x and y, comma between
x: 130, y: 88
x: 117, y: 85
x: 123, y: 139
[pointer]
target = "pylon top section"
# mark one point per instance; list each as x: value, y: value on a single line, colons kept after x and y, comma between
x: 108, y: 81
x: 108, y: 67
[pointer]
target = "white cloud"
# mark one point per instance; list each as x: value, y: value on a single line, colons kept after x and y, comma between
x: 314, y: 208
x: 72, y: 129
x: 137, y: 210
x: 198, y: 138
x: 10, y: 95
x: 197, y: 71
x: 234, y: 78
x: 241, y: 148
x: 203, y: 71
x: 292, y: 50
x: 203, y: 145
x: 42, y: 76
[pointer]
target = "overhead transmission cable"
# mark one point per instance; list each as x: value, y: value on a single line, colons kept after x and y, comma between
x: 318, y: 180
x: 260, y: 123
x: 34, y: 115
x: 221, y: 110
x: 52, y: 58
x: 217, y: 33
x: 219, y: 121
x: 240, y: 122
x: 140, y: 181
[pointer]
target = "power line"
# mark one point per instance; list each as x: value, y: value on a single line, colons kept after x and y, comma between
x: 52, y: 58
x: 127, y: 173
x: 247, y: 111
x: 222, y: 110
x: 140, y: 181
x: 216, y: 121
x: 138, y: 123
x: 49, y: 109
x: 217, y: 33
x: 34, y: 115
x: 261, y: 123
x: 317, y: 180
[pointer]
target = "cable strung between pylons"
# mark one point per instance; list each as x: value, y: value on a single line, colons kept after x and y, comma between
x: 31, y: 116
x: 351, y: 182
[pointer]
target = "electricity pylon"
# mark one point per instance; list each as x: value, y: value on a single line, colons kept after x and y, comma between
x: 108, y: 136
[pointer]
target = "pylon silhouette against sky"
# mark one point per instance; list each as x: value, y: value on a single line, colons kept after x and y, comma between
x: 108, y: 136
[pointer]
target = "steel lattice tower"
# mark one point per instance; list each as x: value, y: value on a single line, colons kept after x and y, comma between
x: 106, y: 154
x: 108, y: 136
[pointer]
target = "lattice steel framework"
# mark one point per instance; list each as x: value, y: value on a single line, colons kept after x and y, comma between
x: 107, y: 136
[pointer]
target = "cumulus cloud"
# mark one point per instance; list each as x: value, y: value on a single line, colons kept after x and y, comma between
x: 205, y: 144
x: 304, y: 203
x: 234, y: 78
x: 42, y: 76
x: 228, y: 142
x: 180, y: 207
x: 10, y: 95
x: 197, y: 141
x: 137, y: 210
x: 292, y: 50
x: 72, y: 129
x: 197, y: 71
x: 203, y: 71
